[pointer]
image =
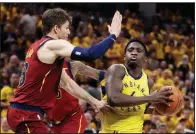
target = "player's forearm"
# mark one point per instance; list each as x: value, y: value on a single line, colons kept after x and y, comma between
x: 93, y: 73
x: 95, y: 51
x: 80, y: 68
x: 116, y: 98
x: 126, y: 100
x: 87, y: 70
x: 77, y: 91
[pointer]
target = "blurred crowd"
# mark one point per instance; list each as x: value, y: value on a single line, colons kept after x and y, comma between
x: 170, y: 43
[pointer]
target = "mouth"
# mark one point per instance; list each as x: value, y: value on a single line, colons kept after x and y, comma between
x: 133, y: 58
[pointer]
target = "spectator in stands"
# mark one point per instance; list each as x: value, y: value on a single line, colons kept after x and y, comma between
x: 4, y: 79
x: 13, y: 66
x: 147, y: 126
x: 28, y: 21
x: 153, y: 62
x: 162, y: 128
x: 7, y: 93
x: 153, y: 128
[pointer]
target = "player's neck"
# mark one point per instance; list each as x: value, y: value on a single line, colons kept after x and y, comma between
x: 136, y: 72
x: 52, y: 35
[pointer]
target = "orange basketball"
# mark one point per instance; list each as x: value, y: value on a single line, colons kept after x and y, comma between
x: 175, y: 106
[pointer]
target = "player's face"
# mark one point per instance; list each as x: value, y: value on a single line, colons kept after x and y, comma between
x: 14, y: 79
x: 135, y: 54
x: 63, y: 31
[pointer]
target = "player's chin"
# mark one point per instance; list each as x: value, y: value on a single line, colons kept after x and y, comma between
x: 133, y: 62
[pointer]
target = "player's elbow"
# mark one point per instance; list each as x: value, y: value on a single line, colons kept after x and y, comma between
x: 113, y: 100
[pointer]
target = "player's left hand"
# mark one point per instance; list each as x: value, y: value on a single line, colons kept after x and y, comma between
x: 97, y: 105
x: 115, y: 27
x: 107, y: 108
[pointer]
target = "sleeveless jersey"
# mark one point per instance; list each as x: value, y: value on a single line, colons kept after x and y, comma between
x: 127, y: 119
x: 38, y: 80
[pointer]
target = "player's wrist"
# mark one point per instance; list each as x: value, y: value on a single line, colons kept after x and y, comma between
x: 101, y: 75
x: 113, y: 36
x: 149, y: 98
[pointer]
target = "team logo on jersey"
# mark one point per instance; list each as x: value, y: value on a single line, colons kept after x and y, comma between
x: 78, y: 53
x: 29, y: 53
x: 132, y: 84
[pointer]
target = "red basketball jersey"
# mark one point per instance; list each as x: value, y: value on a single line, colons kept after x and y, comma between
x: 65, y: 104
x: 38, y: 80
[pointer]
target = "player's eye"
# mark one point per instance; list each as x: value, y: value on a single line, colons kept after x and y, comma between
x: 130, y: 49
x: 139, y: 50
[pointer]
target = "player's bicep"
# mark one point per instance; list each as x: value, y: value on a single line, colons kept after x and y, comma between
x: 60, y: 47
x: 150, y: 84
x: 114, y: 83
x: 53, y: 49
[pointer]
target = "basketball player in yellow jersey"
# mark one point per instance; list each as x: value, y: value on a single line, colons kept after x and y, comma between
x: 127, y: 90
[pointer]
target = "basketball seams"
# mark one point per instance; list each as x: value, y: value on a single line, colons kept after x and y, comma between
x: 165, y: 108
x: 176, y: 104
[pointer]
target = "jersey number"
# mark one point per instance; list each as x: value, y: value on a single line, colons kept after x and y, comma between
x: 23, y: 74
x: 59, y: 94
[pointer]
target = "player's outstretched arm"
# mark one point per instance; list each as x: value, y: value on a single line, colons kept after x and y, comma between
x: 74, y: 89
x: 114, y: 86
x: 62, y: 48
x: 78, y: 67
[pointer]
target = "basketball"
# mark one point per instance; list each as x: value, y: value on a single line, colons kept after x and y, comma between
x: 175, y: 106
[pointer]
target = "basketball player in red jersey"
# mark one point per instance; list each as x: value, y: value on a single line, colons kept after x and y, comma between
x: 66, y: 115
x: 43, y: 74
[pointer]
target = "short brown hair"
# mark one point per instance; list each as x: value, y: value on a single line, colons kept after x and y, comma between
x: 52, y: 17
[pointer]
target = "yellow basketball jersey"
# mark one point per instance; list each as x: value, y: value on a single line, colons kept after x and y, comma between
x: 127, y: 119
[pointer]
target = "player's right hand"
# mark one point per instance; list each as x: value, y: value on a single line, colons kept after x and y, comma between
x: 162, y: 96
x: 115, y: 27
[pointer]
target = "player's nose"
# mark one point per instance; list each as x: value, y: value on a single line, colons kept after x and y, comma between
x: 68, y: 32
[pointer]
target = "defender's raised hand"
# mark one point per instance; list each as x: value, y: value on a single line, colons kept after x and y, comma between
x: 115, y: 26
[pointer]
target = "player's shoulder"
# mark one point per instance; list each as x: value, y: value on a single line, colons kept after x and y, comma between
x: 116, y: 66
x: 118, y: 69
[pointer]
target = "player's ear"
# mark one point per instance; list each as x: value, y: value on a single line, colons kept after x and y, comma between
x: 56, y: 28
